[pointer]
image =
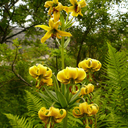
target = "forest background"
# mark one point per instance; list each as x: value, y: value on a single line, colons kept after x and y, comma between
x: 91, y: 34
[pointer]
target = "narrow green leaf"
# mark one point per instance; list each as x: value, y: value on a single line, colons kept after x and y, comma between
x: 62, y: 21
x: 50, y: 94
x: 69, y: 24
x: 62, y: 99
x: 55, y: 83
x: 47, y: 99
x: 58, y: 41
x: 74, y: 97
x: 66, y: 42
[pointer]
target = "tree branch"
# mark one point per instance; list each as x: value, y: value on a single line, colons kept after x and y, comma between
x: 13, y: 69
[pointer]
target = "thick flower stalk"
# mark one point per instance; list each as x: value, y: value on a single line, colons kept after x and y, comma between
x: 54, y: 8
x: 42, y: 74
x: 85, y: 109
x: 53, y: 30
x: 75, y: 9
x: 53, y: 115
x: 71, y: 75
x: 90, y: 64
x: 87, y: 89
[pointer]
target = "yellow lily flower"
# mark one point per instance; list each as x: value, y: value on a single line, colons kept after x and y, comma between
x: 85, y: 108
x: 79, y: 112
x: 71, y: 74
x: 41, y: 73
x: 57, y: 114
x: 93, y: 109
x: 52, y: 30
x: 88, y: 64
x: 54, y: 7
x: 87, y: 89
x: 76, y: 8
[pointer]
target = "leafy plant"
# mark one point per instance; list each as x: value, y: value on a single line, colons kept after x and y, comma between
x: 115, y: 87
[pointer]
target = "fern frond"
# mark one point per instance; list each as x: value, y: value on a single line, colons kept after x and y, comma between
x: 116, y: 67
x: 116, y: 85
x: 19, y: 123
x: 34, y: 103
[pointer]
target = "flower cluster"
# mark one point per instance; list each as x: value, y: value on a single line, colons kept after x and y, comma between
x: 71, y: 75
x: 85, y: 109
x: 54, y: 8
x: 56, y: 115
x: 90, y: 64
x: 42, y: 74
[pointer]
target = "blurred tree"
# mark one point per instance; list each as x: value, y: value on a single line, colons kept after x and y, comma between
x: 14, y: 15
x: 24, y: 14
x: 95, y: 28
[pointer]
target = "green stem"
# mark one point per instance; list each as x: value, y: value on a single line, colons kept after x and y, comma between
x: 67, y: 18
x: 95, y: 120
x: 48, y: 125
x: 87, y: 125
x: 65, y: 120
x: 62, y: 52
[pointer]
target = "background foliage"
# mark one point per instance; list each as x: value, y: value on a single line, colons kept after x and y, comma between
x: 90, y: 37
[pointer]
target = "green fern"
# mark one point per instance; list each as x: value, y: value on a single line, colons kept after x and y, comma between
x: 19, y: 123
x: 116, y: 87
x: 34, y: 103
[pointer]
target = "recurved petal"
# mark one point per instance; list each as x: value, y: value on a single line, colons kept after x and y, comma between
x: 48, y: 81
x: 98, y: 67
x: 82, y: 3
x: 48, y: 73
x: 44, y: 27
x: 33, y: 71
x: 46, y: 36
x: 63, y: 33
x: 77, y: 113
x: 51, y: 23
x: 83, y: 107
x: 83, y: 91
x: 53, y: 111
x: 72, y: 72
x: 48, y: 4
x: 56, y: 24
x: 90, y: 88
x: 69, y: 9
x: 65, y: 8
x: 83, y: 65
x: 80, y: 13
x: 41, y: 70
x: 73, y: 2
x: 61, y: 76
x: 42, y: 114
x: 50, y: 11
x: 58, y: 36
x: 94, y: 63
x: 81, y: 74
x: 59, y: 7
x: 56, y: 17
x: 93, y: 109
x: 74, y: 14
x: 55, y: 1
x: 60, y: 116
